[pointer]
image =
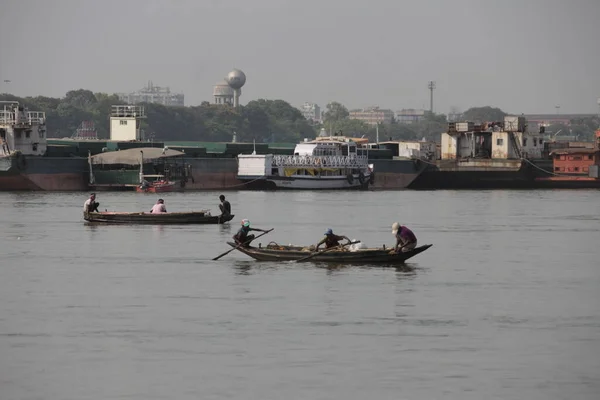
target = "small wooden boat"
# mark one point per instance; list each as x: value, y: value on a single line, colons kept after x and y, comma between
x: 170, y: 218
x: 158, y: 186
x: 275, y: 252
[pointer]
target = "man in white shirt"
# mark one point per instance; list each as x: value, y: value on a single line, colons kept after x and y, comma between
x: 90, y: 204
x: 159, y: 207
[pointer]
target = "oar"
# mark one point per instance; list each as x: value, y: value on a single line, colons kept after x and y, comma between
x: 240, y: 245
x: 325, y: 251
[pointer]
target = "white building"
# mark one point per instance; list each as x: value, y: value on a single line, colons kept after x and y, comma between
x: 125, y: 122
x: 223, y: 93
x: 153, y: 94
x: 311, y: 111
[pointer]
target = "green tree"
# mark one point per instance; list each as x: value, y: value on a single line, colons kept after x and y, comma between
x: 335, y: 111
x: 483, y: 114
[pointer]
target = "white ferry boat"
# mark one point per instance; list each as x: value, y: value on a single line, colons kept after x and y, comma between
x: 324, y: 163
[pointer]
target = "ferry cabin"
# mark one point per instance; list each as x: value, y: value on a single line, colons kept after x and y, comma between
x: 21, y: 130
x: 575, y: 161
x: 324, y: 163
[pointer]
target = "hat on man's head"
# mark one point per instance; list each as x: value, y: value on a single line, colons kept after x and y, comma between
x: 245, y: 222
x: 395, y: 228
x: 329, y: 231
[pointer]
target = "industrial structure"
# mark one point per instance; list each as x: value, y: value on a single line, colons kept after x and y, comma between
x: 153, y: 94
x: 230, y: 90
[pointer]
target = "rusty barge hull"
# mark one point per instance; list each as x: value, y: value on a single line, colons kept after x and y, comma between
x: 40, y: 173
x: 480, y: 174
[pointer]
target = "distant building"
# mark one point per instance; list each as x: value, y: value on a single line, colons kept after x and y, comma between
x: 311, y: 112
x: 551, y: 119
x: 373, y: 115
x: 223, y: 93
x: 153, y: 94
x: 409, y: 116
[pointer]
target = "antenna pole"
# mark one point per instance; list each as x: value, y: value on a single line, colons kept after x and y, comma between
x: 431, y: 87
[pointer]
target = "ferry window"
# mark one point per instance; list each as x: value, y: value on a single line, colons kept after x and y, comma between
x: 27, y: 134
x: 557, y: 168
x: 576, y: 169
x: 577, y: 158
x: 123, y: 122
x: 18, y: 134
x: 534, y: 142
x: 541, y: 141
x: 590, y: 157
x: 499, y: 142
x: 563, y: 158
x: 524, y: 141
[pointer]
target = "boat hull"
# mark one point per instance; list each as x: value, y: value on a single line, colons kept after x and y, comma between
x: 307, y: 183
x: 177, y: 218
x: 38, y: 173
x: 362, y: 256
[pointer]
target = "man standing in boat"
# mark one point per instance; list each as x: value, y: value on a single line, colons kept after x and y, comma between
x: 242, y: 236
x: 159, y: 207
x: 405, y: 238
x: 225, y: 207
x: 90, y: 205
x: 331, y: 240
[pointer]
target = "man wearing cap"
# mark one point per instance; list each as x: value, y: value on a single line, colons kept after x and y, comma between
x: 90, y: 204
x: 330, y: 240
x: 405, y: 238
x: 241, y: 237
x: 159, y: 207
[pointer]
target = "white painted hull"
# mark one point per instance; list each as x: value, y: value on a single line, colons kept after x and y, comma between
x: 313, y: 183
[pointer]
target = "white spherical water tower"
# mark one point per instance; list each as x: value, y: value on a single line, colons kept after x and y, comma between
x: 236, y: 79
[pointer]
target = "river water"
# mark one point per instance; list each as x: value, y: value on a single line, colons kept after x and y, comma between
x: 505, y: 305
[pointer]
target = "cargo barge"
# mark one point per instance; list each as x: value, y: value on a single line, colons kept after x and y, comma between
x: 497, y: 155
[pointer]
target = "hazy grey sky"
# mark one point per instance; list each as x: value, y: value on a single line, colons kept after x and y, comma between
x: 519, y: 55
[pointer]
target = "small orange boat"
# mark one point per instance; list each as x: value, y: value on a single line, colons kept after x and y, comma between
x: 159, y: 185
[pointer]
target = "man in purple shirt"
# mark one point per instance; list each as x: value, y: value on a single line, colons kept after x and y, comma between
x: 405, y: 238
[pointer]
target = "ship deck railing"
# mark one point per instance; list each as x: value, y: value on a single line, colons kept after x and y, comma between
x: 32, y: 117
x: 320, y: 161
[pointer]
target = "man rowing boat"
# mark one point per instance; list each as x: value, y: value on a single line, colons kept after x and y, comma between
x: 331, y: 240
x: 242, y: 236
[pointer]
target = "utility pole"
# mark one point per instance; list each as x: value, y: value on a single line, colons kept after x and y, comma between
x: 431, y: 86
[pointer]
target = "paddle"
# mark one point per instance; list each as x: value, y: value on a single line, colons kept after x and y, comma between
x: 240, y: 245
x: 325, y: 251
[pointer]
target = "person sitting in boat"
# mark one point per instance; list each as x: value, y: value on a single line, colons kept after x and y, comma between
x: 91, y: 205
x: 225, y: 207
x: 242, y: 236
x: 145, y: 184
x: 330, y: 240
x: 405, y: 238
x: 159, y: 207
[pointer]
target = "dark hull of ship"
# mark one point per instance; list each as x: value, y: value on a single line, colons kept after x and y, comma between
x: 36, y: 173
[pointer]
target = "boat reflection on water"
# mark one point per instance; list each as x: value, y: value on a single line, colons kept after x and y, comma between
x: 404, y: 271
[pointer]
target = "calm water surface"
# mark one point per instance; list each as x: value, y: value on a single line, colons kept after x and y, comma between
x: 505, y: 305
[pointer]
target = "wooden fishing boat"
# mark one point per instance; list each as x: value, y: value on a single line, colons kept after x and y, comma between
x: 275, y: 252
x: 171, y: 218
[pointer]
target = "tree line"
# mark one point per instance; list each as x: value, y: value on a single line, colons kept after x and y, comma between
x: 261, y: 120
